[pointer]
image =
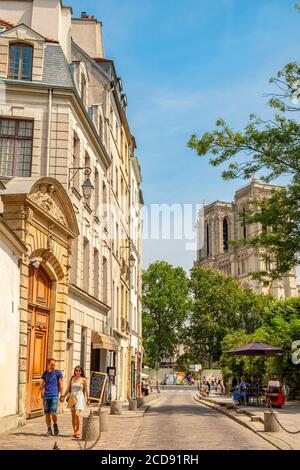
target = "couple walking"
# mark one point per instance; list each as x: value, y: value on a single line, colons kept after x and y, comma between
x: 52, y: 392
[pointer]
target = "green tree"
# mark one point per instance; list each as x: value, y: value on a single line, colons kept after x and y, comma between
x: 271, y: 147
x: 280, y: 327
x: 220, y: 305
x: 165, y: 308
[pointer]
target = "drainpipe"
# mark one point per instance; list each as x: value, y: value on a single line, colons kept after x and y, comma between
x: 50, y: 94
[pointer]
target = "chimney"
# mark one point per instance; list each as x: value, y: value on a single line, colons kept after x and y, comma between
x: 87, y: 33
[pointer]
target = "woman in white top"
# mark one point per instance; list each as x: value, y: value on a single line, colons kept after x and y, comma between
x: 274, y: 382
x: 78, y: 396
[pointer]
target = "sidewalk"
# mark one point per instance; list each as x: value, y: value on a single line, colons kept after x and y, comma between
x: 32, y: 436
x: 253, y: 418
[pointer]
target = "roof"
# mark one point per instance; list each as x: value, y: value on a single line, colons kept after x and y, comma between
x: 56, y: 68
x: 215, y: 203
x: 10, y: 26
x: 6, y: 23
x: 91, y: 61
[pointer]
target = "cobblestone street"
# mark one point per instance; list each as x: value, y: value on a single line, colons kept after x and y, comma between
x: 178, y: 422
x: 173, y: 422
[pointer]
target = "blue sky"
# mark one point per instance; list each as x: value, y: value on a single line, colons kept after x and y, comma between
x: 185, y: 63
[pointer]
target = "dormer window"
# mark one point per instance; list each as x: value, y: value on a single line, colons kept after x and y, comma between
x: 20, y: 61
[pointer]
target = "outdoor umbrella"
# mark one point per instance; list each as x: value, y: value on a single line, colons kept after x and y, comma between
x: 256, y: 348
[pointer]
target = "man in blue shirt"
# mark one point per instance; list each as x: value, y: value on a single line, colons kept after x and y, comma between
x: 51, y: 388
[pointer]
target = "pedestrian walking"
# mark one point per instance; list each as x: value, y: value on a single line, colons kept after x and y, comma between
x: 51, y: 388
x: 77, y: 393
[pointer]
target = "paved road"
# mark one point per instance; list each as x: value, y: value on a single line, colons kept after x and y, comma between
x: 177, y: 422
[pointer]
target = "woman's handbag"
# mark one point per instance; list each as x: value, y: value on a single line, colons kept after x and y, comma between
x: 72, y: 401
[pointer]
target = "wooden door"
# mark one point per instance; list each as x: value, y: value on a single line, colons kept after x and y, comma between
x: 38, y: 326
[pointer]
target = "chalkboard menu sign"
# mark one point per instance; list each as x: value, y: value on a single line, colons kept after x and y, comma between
x: 97, y: 386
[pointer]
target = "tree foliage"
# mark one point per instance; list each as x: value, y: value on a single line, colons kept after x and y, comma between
x: 281, y: 326
x: 219, y: 306
x: 165, y: 309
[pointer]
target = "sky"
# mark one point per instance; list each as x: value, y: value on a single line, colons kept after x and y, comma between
x: 184, y: 64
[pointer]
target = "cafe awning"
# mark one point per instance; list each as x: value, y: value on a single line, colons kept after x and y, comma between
x: 101, y: 341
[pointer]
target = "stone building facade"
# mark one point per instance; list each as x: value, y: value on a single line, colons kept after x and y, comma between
x: 222, y: 224
x: 135, y: 311
x: 63, y: 117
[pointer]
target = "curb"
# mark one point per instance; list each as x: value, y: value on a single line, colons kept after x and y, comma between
x: 236, y: 419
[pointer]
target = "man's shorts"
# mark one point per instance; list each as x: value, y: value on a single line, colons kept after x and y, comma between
x: 50, y: 405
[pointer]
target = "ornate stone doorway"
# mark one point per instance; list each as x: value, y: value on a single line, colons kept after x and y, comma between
x: 38, y: 332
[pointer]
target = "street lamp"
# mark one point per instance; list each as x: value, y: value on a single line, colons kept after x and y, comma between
x: 87, y: 189
x: 87, y: 186
x: 131, y: 260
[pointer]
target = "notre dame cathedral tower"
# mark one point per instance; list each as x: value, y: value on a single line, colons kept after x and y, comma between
x: 222, y: 223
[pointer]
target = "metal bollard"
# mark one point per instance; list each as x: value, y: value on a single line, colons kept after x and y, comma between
x: 132, y: 405
x: 270, y: 423
x: 116, y: 407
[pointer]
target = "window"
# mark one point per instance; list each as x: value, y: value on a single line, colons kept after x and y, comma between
x: 118, y: 308
x: 122, y: 195
x: 83, y: 346
x: 117, y: 240
x: 112, y: 233
x: 76, y: 162
x: 104, y: 267
x: 87, y: 164
x: 74, y: 262
x: 117, y: 183
x: 244, y: 223
x: 113, y: 304
x: 96, y: 273
x: 104, y: 206
x: 70, y: 330
x: 86, y: 264
x: 243, y: 266
x: 20, y: 62
x: 15, y: 147
x: 97, y: 210
x: 207, y: 240
x: 123, y: 313
x: 225, y: 235
x: 122, y: 146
